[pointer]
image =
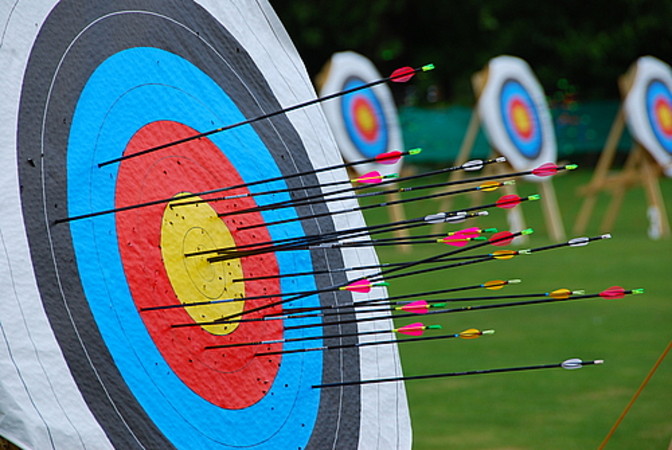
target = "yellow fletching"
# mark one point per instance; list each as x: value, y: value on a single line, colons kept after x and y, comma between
x: 489, y: 186
x: 561, y: 293
x: 471, y: 333
x: 504, y: 254
x: 494, y: 284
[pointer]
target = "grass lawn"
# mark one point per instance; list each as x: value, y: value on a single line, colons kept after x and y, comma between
x: 550, y: 409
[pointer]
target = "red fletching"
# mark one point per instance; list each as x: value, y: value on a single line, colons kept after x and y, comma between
x: 501, y: 239
x: 613, y: 293
x: 545, y: 170
x: 402, y: 74
x: 389, y: 157
x: 508, y: 201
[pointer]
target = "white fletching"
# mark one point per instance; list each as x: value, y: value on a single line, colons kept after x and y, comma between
x: 473, y: 165
x: 578, y: 242
x: 572, y: 364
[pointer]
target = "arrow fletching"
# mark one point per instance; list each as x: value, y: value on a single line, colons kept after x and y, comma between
x: 402, y: 74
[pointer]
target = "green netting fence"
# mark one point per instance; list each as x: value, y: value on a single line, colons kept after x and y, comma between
x: 580, y: 129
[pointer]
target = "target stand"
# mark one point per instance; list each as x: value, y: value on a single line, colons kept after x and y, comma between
x: 364, y: 123
x: 647, y: 112
x: 512, y: 108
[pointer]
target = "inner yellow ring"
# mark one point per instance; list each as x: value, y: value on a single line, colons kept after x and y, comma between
x: 196, y: 228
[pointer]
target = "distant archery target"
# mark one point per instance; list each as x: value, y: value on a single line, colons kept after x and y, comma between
x: 515, y: 114
x: 365, y: 123
x: 648, y: 109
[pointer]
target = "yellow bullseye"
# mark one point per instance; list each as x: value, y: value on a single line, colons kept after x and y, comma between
x: 195, y: 228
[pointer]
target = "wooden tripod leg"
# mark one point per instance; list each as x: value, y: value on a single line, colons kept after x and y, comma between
x: 599, y: 179
x: 629, y: 174
x: 552, y: 216
x: 661, y: 225
x: 465, y: 150
x: 397, y: 214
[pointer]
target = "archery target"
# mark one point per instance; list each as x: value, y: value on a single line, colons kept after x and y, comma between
x: 95, y: 82
x: 364, y: 123
x: 515, y: 114
x: 648, y: 109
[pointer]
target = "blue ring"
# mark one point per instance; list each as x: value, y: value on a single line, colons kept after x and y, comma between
x: 129, y: 90
x: 512, y: 90
x: 655, y: 90
x: 368, y: 149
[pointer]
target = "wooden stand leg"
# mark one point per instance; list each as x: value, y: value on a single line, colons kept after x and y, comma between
x: 552, y: 216
x: 397, y: 214
x: 462, y: 156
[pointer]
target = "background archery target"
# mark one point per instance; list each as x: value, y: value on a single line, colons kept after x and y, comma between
x: 99, y: 81
x: 364, y: 123
x: 648, y: 109
x: 515, y: 114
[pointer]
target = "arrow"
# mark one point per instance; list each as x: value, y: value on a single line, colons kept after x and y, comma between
x: 569, y: 364
x: 383, y: 158
x: 471, y: 333
x: 370, y: 178
x: 400, y: 75
x: 486, y: 186
x: 604, y: 294
x: 226, y: 253
x: 415, y: 329
x: 363, y: 286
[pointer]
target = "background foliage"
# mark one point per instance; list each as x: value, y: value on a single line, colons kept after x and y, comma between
x: 584, y: 45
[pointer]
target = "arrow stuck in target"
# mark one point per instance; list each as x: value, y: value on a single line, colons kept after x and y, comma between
x: 400, y: 75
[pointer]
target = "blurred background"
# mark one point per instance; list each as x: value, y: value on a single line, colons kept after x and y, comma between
x: 578, y: 50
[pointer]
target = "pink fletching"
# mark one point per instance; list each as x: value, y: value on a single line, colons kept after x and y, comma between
x: 414, y: 329
x: 508, y: 201
x: 389, y: 157
x: 545, y: 170
x: 373, y: 177
x: 469, y: 232
x: 502, y: 238
x: 402, y: 74
x: 363, y: 286
x: 456, y: 240
x: 613, y: 293
x: 417, y: 307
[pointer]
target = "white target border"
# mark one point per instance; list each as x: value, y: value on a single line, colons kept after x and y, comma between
x: 500, y: 69
x: 647, y: 68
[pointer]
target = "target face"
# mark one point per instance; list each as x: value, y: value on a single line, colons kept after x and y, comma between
x: 515, y: 114
x: 364, y: 123
x: 648, y: 109
x: 103, y: 81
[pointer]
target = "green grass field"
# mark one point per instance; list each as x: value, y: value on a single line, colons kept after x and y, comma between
x: 549, y: 409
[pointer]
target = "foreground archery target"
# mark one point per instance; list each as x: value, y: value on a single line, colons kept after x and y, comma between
x: 98, y: 82
x: 365, y: 122
x: 515, y: 114
x: 648, y: 109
